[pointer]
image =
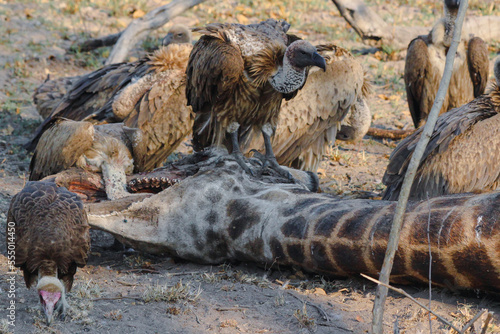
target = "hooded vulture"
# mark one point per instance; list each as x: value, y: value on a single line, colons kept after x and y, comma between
x: 51, y: 233
x: 148, y: 94
x: 67, y: 143
x: 425, y: 62
x: 308, y: 124
x: 463, y: 154
x: 237, y: 77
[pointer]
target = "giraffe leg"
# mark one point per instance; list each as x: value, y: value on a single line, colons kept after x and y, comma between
x: 236, y: 153
x: 269, y: 158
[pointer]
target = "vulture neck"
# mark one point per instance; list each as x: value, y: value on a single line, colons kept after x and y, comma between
x: 449, y: 25
x: 288, y: 78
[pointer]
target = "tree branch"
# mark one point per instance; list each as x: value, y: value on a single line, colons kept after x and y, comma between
x: 151, y: 21
x: 392, y: 245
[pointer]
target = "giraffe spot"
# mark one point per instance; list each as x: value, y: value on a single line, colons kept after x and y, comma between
x: 212, y: 217
x: 255, y: 247
x: 300, y: 206
x: 320, y: 258
x: 442, y: 231
x: 473, y: 262
x: 243, y: 215
x: 216, y: 245
x: 354, y: 227
x: 326, y: 225
x: 439, y: 272
x: 350, y: 259
x: 320, y: 209
x: 213, y: 195
x: 295, y: 228
x: 296, y: 253
x: 398, y: 267
x: 277, y: 249
x: 236, y: 190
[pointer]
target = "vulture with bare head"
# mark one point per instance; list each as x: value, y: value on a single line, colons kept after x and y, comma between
x: 108, y: 149
x: 463, y: 154
x: 148, y: 94
x: 51, y: 233
x: 237, y: 77
x: 308, y: 124
x: 425, y: 62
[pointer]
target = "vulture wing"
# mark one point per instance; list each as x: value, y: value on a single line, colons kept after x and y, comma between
x: 51, y: 229
x: 60, y: 146
x: 477, y: 58
x: 415, y: 77
x: 48, y: 95
x: 462, y: 154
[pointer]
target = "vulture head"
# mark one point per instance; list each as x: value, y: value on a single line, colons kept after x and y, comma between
x: 298, y: 56
x: 52, y: 296
x: 178, y: 34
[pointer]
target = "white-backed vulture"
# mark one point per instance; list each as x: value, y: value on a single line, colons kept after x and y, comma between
x: 48, y: 95
x: 148, y: 94
x: 67, y: 143
x: 463, y: 154
x: 237, y: 77
x: 425, y: 62
x: 50, y: 231
x: 309, y: 122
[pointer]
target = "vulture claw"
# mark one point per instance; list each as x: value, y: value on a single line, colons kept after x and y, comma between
x: 240, y: 159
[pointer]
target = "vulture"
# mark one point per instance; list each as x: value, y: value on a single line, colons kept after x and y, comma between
x: 236, y: 79
x: 51, y: 233
x: 148, y: 94
x: 425, y: 62
x: 463, y: 154
x: 308, y: 124
x: 67, y: 143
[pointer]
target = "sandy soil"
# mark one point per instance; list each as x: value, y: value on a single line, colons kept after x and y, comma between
x: 122, y: 291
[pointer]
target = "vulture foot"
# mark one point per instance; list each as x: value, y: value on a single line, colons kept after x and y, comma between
x: 271, y: 162
x: 240, y: 159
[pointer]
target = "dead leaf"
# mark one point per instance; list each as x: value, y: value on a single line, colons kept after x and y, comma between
x: 242, y: 19
x: 29, y: 13
x: 138, y: 13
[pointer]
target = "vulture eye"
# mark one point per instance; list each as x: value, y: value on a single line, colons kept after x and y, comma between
x: 302, y: 52
x: 179, y: 35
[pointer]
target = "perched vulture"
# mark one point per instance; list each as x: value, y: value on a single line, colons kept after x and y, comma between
x: 148, y: 94
x: 463, y: 154
x: 425, y: 62
x: 308, y: 124
x: 237, y: 77
x: 51, y: 233
x: 66, y: 143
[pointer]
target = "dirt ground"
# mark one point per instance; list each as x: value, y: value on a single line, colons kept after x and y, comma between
x: 123, y: 291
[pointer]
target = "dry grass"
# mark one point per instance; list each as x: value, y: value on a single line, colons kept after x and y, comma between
x: 305, y: 321
x: 171, y: 294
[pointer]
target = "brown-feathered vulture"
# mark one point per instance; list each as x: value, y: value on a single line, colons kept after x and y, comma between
x: 67, y: 143
x: 309, y: 122
x: 425, y: 62
x: 463, y: 154
x: 237, y: 77
x: 148, y: 94
x: 48, y: 95
x: 51, y: 233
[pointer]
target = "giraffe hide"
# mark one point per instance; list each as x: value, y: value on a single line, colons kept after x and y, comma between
x: 218, y: 213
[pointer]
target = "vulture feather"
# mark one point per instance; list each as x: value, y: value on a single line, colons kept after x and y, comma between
x: 51, y: 233
x: 237, y: 77
x: 66, y: 143
x: 425, y: 62
x: 308, y: 124
x: 463, y: 154
x: 148, y: 94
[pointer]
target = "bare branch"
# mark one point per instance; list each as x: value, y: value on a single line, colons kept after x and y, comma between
x: 151, y: 21
x: 389, y: 133
x: 392, y: 245
x: 95, y: 43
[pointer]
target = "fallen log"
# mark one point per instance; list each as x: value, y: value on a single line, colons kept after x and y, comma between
x: 389, y: 133
x: 218, y: 213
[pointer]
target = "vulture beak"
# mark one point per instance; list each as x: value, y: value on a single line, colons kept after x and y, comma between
x: 167, y: 39
x: 319, y: 61
x: 48, y: 301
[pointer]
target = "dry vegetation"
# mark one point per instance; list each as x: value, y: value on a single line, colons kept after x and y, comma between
x: 122, y: 291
